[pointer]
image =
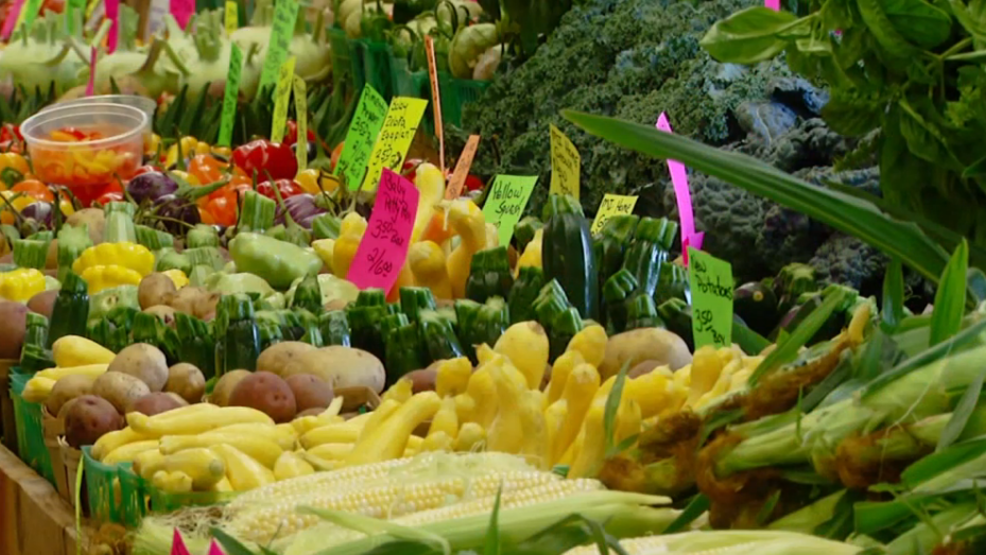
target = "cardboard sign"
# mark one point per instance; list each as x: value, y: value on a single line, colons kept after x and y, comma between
x: 361, y: 137
x: 229, y: 97
x: 301, y: 118
x: 383, y: 250
x: 679, y: 178
x: 711, y: 284
x: 282, y: 97
x: 113, y: 14
x: 462, y: 166
x: 91, y: 85
x: 612, y: 205
x: 436, y: 106
x: 12, y: 17
x: 183, y: 10
x: 506, y: 201
x: 231, y: 17
x: 566, y: 165
x: 285, y: 16
x: 395, y: 138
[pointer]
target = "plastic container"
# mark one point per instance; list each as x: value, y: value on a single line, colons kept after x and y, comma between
x: 30, y: 429
x: 342, y: 57
x: 142, y: 103
x: 133, y: 497
x: 404, y: 82
x: 456, y: 94
x: 103, y: 488
x: 167, y: 502
x: 108, y: 145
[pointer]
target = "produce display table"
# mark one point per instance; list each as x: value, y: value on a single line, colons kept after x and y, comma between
x: 34, y: 520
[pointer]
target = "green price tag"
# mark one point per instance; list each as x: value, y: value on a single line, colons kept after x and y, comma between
x: 285, y: 16
x: 711, y: 283
x: 229, y: 97
x: 506, y: 201
x: 566, y: 165
x: 361, y: 137
x: 301, y: 118
x: 395, y: 138
x: 282, y: 96
x: 75, y: 12
x: 31, y: 9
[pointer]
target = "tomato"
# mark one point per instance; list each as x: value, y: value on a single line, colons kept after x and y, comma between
x: 206, y: 168
x: 34, y: 188
x: 223, y: 210
x: 285, y: 187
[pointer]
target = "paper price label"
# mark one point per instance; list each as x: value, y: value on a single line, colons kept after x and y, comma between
x: 711, y: 284
x: 395, y: 138
x: 282, y: 97
x: 183, y: 10
x: 113, y: 14
x: 437, y: 105
x: 458, y: 179
x: 612, y: 205
x: 383, y: 250
x: 91, y: 84
x: 13, y: 16
x: 566, y: 165
x: 229, y: 97
x: 506, y: 201
x: 361, y: 137
x: 285, y: 16
x: 683, y: 196
x: 231, y: 17
x: 301, y: 118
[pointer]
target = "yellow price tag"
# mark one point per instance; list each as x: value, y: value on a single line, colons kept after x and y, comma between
x: 231, y: 17
x: 395, y: 138
x: 612, y: 205
x: 282, y: 94
x: 301, y: 118
x: 566, y: 165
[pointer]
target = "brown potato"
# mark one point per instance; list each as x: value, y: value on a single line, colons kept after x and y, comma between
x: 186, y: 381
x: 93, y: 218
x: 13, y: 326
x: 267, y: 393
x: 43, y: 302
x: 156, y: 289
x: 143, y: 361
x: 225, y: 385
x: 309, y: 391
x: 120, y: 389
x: 88, y: 419
x: 154, y: 403
x: 66, y: 389
x: 165, y: 313
x: 284, y: 358
x: 51, y: 261
x: 195, y: 301
x: 424, y: 379
x: 342, y: 367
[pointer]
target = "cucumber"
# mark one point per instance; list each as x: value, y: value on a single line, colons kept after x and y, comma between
x: 568, y: 255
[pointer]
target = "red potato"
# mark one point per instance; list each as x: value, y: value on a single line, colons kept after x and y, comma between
x: 266, y: 392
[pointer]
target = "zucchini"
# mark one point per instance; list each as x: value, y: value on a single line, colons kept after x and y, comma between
x: 525, y: 290
x: 70, y: 313
x: 308, y: 295
x: 642, y: 312
x: 525, y: 230
x: 34, y: 357
x: 416, y: 299
x: 365, y: 317
x: 677, y: 316
x: 438, y: 336
x: 334, y: 325
x: 202, y: 235
x: 467, y: 321
x: 611, y: 243
x: 756, y: 304
x: 652, y: 239
x: 617, y: 290
x: 403, y: 348
x: 568, y: 255
x: 237, y: 335
x: 489, y: 275
x: 195, y: 343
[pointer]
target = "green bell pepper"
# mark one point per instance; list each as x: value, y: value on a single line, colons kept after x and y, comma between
x: 278, y: 262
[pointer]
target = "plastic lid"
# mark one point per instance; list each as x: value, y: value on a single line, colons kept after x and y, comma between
x: 146, y: 105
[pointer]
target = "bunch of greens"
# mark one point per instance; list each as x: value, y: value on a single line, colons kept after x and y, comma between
x: 912, y: 70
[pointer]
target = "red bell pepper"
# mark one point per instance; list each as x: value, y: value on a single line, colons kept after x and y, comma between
x: 291, y: 137
x: 262, y: 157
x: 286, y: 188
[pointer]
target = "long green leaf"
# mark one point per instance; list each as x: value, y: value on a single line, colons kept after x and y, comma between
x: 695, y: 508
x: 492, y: 545
x: 946, y: 319
x: 612, y: 406
x: 903, y: 240
x: 960, y: 416
x: 893, y: 296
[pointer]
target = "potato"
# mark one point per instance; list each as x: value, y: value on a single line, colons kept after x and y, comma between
x: 68, y: 388
x: 165, y: 313
x: 195, y: 301
x: 342, y: 367
x: 120, y: 389
x: 65, y: 408
x: 88, y: 419
x: 143, y: 361
x: 424, y: 379
x: 636, y: 346
x: 43, y: 302
x: 267, y: 393
x: 155, y: 289
x: 283, y: 358
x: 13, y: 326
x: 154, y: 403
x: 645, y: 367
x: 93, y: 218
x: 178, y: 399
x: 186, y: 381
x: 225, y: 385
x: 309, y: 391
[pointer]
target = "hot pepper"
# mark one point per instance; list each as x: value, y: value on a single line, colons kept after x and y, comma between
x: 264, y: 157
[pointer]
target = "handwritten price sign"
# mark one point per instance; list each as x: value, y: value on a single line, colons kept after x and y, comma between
x: 229, y: 96
x: 566, y: 165
x: 395, y: 138
x: 361, y: 137
x: 382, y: 251
x: 612, y: 205
x: 285, y: 17
x: 711, y: 283
x: 506, y: 203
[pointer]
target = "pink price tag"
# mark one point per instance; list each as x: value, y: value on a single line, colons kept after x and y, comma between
x: 113, y: 14
x: 382, y: 251
x: 679, y: 178
x: 773, y: 4
x: 214, y: 549
x: 178, y: 545
x: 12, y: 16
x: 183, y: 10
x: 91, y: 85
